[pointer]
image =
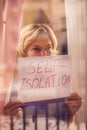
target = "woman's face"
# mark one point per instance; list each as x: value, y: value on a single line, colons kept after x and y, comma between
x: 41, y: 46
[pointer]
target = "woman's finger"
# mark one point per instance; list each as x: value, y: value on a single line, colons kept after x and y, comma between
x: 13, y: 104
x: 74, y: 96
x: 12, y: 107
x: 73, y: 106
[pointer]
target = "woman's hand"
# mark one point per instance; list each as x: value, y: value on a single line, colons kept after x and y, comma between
x: 12, y: 108
x: 74, y: 103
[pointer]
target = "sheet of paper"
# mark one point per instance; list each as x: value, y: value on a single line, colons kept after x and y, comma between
x: 42, y: 78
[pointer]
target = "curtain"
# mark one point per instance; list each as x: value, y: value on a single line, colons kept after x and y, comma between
x: 76, y: 21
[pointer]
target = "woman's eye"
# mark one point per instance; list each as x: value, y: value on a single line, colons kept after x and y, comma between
x: 36, y: 49
x: 49, y: 48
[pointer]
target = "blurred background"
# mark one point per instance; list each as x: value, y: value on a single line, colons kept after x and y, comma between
x: 68, y: 19
x: 51, y: 12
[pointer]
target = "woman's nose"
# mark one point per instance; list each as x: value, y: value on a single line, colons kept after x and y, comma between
x: 43, y: 53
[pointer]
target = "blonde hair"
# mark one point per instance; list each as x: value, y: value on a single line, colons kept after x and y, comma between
x: 29, y: 33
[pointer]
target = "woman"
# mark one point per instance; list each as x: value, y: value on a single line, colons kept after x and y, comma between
x: 40, y: 40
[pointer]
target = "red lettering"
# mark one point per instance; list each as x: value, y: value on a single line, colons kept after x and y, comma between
x: 68, y: 79
x: 35, y: 83
x: 65, y: 80
x: 39, y: 68
x: 53, y: 81
x: 56, y: 65
x: 47, y: 83
x: 27, y: 82
x: 41, y: 85
x: 46, y: 68
x: 31, y: 69
x: 58, y: 81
